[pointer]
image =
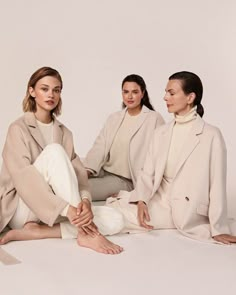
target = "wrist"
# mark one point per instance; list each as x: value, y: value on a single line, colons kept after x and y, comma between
x: 86, y: 201
x: 141, y: 202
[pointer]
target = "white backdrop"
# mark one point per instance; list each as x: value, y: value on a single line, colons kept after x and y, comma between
x: 95, y: 44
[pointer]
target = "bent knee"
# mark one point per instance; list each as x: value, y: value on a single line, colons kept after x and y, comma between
x: 54, y: 149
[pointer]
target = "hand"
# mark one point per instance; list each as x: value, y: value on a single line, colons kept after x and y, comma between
x: 225, y: 239
x: 84, y: 215
x: 143, y: 215
x: 90, y: 230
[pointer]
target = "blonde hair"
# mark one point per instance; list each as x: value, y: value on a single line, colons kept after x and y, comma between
x: 29, y: 104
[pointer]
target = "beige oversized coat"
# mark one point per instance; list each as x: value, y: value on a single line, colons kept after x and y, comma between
x: 19, y: 177
x: 198, y: 190
x: 138, y: 146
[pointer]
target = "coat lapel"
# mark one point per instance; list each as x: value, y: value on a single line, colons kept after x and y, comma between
x: 37, y: 135
x: 141, y: 119
x: 191, y: 143
x: 115, y: 128
x: 162, y: 149
x: 30, y: 121
x: 57, y: 132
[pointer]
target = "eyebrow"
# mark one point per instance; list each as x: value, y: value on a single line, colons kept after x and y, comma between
x: 137, y: 89
x: 48, y: 86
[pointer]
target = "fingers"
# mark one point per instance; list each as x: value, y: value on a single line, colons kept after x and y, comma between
x: 146, y: 215
x: 94, y: 228
x: 225, y: 239
x: 78, y: 221
x: 83, y: 208
x: 89, y: 231
x: 221, y: 240
x: 143, y: 216
x: 79, y: 208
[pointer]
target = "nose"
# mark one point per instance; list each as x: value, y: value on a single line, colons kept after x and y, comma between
x: 130, y: 95
x: 165, y: 98
x: 51, y: 93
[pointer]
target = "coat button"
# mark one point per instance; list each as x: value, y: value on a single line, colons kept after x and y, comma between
x: 187, y: 198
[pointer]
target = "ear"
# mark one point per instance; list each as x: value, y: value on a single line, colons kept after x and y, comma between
x: 143, y: 93
x: 191, y: 98
x: 32, y: 92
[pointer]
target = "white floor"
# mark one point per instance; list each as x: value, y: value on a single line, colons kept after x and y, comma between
x: 159, y: 262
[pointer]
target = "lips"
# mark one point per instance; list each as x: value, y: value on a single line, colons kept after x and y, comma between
x: 50, y: 102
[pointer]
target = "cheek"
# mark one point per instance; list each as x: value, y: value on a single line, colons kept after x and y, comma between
x: 125, y: 96
x: 138, y: 98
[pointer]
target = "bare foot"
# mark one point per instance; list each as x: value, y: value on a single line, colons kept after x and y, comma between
x: 99, y: 244
x: 31, y: 231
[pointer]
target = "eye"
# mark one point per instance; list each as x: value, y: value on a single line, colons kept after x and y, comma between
x: 44, y: 89
x: 57, y: 90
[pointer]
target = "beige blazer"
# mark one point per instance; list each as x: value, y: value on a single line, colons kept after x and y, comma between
x: 142, y: 134
x: 198, y: 190
x: 19, y: 177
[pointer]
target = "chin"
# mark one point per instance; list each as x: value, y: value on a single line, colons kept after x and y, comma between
x: 171, y: 111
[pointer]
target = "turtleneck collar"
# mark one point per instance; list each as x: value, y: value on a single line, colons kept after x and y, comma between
x: 190, y: 116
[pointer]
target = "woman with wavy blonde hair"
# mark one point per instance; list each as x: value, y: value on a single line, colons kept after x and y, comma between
x: 44, y: 189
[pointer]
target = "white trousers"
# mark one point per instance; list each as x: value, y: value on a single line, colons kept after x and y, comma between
x: 56, y: 168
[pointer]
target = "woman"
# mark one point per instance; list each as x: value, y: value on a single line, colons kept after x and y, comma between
x: 119, y: 151
x: 42, y: 179
x: 183, y: 183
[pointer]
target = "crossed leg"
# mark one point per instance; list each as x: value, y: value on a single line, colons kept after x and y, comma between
x: 52, y: 159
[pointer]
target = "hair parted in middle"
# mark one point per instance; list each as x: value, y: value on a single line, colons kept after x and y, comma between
x: 29, y: 104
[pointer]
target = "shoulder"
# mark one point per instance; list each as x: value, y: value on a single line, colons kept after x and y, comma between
x: 18, y: 124
x: 212, y: 130
x: 66, y: 131
x: 152, y: 115
x: 210, y: 134
x: 116, y: 115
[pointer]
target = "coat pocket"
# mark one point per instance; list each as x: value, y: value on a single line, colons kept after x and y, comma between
x: 202, y: 209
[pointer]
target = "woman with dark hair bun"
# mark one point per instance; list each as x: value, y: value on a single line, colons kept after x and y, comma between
x: 183, y: 182
x: 118, y: 153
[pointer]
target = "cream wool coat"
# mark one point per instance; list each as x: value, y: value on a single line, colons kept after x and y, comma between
x: 198, y: 191
x: 19, y: 177
x: 147, y: 122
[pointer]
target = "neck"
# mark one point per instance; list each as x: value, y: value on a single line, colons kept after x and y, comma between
x: 187, y: 117
x: 44, y: 117
x: 134, y: 112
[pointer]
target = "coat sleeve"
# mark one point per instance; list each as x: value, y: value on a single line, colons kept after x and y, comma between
x: 218, y: 198
x: 144, y: 186
x: 27, y: 181
x: 96, y: 156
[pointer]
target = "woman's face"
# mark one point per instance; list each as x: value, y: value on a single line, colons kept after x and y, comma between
x: 176, y: 100
x: 47, y: 93
x: 132, y: 95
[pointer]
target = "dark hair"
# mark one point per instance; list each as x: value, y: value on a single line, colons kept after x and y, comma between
x: 139, y: 80
x: 191, y: 83
x: 29, y: 104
